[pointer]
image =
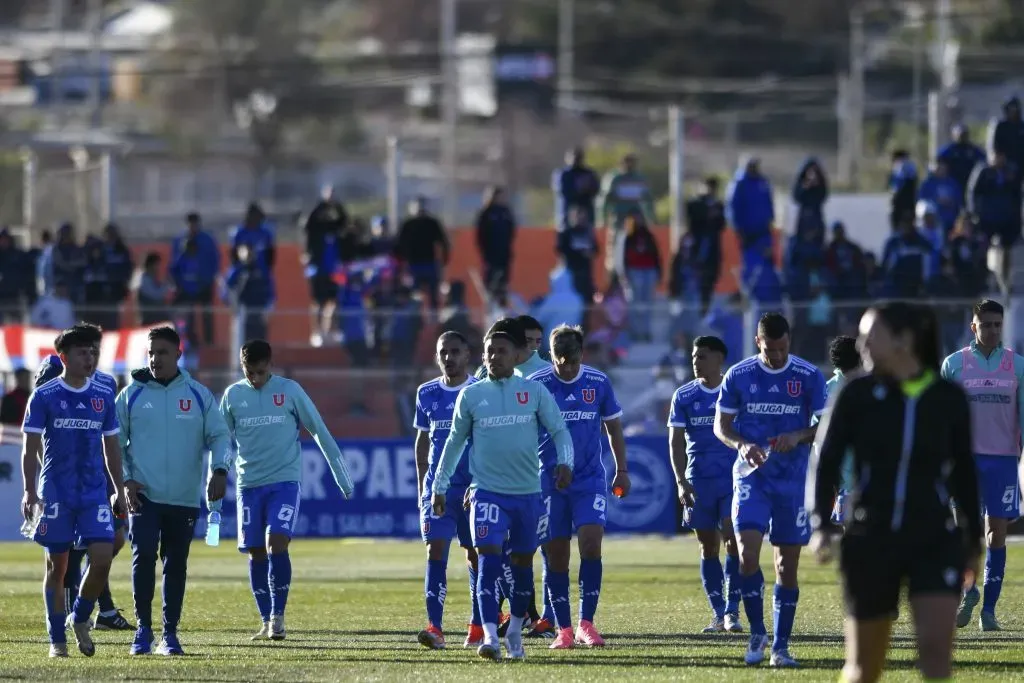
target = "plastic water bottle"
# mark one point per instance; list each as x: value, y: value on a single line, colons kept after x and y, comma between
x: 213, y: 529
x: 29, y: 526
x: 745, y: 469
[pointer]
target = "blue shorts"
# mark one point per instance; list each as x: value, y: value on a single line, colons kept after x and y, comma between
x: 495, y: 516
x: 265, y: 510
x: 583, y: 503
x: 63, y: 526
x: 1000, y: 490
x: 713, y: 501
x: 775, y: 507
x: 454, y: 523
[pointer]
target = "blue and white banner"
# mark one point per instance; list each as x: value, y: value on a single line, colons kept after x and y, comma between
x: 385, y: 502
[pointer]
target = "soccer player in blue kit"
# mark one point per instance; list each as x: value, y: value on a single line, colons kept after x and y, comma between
x: 703, y: 469
x: 109, y: 617
x: 767, y: 405
x: 590, y: 410
x: 73, y: 419
x: 435, y: 405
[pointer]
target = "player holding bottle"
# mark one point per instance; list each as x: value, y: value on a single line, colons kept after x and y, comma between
x: 703, y: 469
x: 435, y: 405
x: 770, y: 400
x: 590, y: 410
x: 72, y: 419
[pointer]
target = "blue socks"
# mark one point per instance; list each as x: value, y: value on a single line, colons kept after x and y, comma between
x: 732, y: 585
x: 505, y: 576
x: 995, y: 566
x: 752, y: 591
x: 784, y: 613
x: 557, y: 595
x: 474, y: 617
x: 549, y: 609
x: 522, y: 590
x: 488, y: 572
x: 712, y: 577
x: 279, y: 581
x: 436, y: 589
x: 83, y: 609
x: 55, y: 616
x: 259, y: 581
x: 590, y: 587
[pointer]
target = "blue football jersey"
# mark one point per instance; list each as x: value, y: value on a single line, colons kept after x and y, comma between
x: 73, y: 423
x: 435, y: 406
x: 769, y: 402
x: 693, y: 411
x: 586, y: 403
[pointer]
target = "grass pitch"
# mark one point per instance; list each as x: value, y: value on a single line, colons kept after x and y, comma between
x: 356, y: 606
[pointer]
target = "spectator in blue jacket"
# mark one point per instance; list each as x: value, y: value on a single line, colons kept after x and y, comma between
x: 961, y: 156
x: 14, y: 279
x: 945, y: 193
x: 69, y: 262
x: 255, y: 233
x: 994, y: 199
x: 810, y: 192
x: 575, y: 184
x: 908, y: 261
x: 207, y: 253
x: 1006, y: 135
x: 804, y: 254
x: 251, y: 292
x: 750, y: 210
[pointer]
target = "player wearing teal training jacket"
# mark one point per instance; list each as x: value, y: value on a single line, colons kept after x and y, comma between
x: 502, y: 414
x: 845, y: 363
x: 168, y: 423
x: 265, y: 413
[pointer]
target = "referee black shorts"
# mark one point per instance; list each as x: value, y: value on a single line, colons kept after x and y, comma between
x: 876, y: 566
x: 322, y: 289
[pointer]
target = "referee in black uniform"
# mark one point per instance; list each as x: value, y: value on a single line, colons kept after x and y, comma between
x: 909, y: 434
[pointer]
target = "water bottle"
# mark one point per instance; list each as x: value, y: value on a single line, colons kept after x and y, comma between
x: 745, y: 469
x: 28, y: 527
x: 213, y: 529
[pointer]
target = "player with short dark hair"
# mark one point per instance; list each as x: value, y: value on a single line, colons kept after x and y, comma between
x: 592, y: 413
x: 108, y: 617
x: 766, y: 406
x: 264, y: 413
x: 845, y: 359
x: 435, y: 405
x: 703, y: 469
x: 502, y: 415
x: 909, y: 433
x: 72, y: 419
x: 992, y: 375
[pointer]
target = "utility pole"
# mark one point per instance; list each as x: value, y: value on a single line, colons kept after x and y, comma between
x: 947, y: 70
x: 57, y: 60
x: 676, y: 171
x: 95, y: 29
x: 450, y: 110
x: 856, y: 92
x: 566, y: 55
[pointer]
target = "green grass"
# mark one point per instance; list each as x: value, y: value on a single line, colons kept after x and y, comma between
x: 356, y: 606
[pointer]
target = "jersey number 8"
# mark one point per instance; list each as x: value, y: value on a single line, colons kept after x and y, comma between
x: 487, y: 512
x: 544, y: 521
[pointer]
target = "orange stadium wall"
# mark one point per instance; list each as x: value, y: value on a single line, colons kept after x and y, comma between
x: 534, y: 258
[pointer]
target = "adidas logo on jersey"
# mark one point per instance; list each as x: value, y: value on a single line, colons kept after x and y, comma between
x: 483, y: 403
x: 451, y: 406
x: 773, y: 390
x: 148, y: 405
x: 245, y: 404
x: 571, y: 398
x: 81, y: 406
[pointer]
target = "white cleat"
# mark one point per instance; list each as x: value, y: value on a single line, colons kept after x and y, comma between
x: 514, y: 647
x: 717, y: 625
x: 263, y: 633
x: 756, y: 649
x: 83, y: 635
x: 58, y: 650
x: 490, y: 650
x: 277, y: 627
x: 733, y: 624
x: 781, y: 659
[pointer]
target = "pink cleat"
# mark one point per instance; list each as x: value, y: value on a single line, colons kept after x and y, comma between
x: 587, y: 635
x: 564, y: 640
